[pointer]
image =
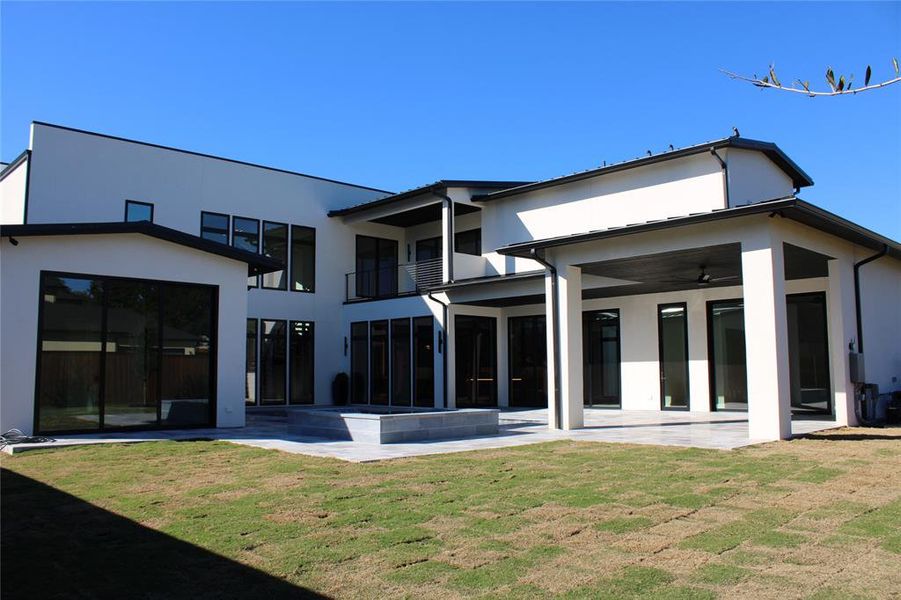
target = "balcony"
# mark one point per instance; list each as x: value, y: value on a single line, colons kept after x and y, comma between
x: 390, y: 282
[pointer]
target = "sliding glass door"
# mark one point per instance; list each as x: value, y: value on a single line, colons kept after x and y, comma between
x: 124, y: 353
x: 672, y: 331
x: 476, y: 361
x: 601, y: 358
x: 726, y: 350
x: 528, y: 361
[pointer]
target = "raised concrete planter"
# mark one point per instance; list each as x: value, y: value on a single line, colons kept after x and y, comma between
x: 373, y: 427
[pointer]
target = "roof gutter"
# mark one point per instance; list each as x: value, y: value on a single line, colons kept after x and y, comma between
x: 448, y: 231
x: 555, y: 333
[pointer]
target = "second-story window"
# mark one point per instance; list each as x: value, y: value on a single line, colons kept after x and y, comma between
x: 246, y: 236
x: 138, y: 211
x: 468, y: 242
x: 275, y: 245
x: 303, y: 259
x: 376, y: 275
x: 214, y: 226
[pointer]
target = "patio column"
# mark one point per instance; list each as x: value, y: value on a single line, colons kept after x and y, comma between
x: 842, y: 329
x: 766, y: 339
x: 564, y: 321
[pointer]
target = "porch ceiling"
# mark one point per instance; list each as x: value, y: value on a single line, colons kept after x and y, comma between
x: 423, y: 214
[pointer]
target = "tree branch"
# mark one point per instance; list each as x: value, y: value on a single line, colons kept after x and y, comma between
x: 761, y: 83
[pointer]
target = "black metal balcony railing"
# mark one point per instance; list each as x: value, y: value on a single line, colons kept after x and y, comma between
x: 389, y: 282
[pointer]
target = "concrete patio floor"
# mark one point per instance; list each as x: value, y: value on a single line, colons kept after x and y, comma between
x: 722, y: 431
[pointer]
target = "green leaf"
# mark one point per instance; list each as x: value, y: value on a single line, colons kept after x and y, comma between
x: 841, y: 83
x: 830, y: 78
x: 773, y: 76
x: 866, y: 79
x: 895, y: 64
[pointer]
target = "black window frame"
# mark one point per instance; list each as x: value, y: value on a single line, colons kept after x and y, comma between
x: 228, y: 226
x: 364, y: 385
x: 234, y: 220
x: 213, y: 344
x: 376, y: 284
x: 468, y: 232
x: 312, y: 399
x: 290, y: 267
x: 256, y: 362
x: 262, y: 249
x: 619, y: 356
x: 138, y: 203
x: 660, y: 307
x: 284, y: 386
x: 711, y: 357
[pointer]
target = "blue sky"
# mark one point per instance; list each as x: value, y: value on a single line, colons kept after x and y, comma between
x: 400, y: 94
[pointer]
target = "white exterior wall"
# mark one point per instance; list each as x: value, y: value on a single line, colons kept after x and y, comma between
x: 12, y: 194
x: 112, y: 255
x: 754, y: 178
x: 880, y: 299
x: 78, y: 177
x: 672, y: 188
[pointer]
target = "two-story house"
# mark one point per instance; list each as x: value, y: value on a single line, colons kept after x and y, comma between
x: 145, y: 286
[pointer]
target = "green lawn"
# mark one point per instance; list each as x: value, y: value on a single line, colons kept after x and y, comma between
x: 813, y: 518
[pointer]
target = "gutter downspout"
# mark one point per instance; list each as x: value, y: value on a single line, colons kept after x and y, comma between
x: 725, y: 168
x: 449, y: 202
x: 859, y: 389
x: 857, y: 309
x: 443, y: 340
x: 555, y: 339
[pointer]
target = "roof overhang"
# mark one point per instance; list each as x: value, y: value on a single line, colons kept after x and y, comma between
x: 256, y: 264
x: 772, y: 151
x: 791, y: 208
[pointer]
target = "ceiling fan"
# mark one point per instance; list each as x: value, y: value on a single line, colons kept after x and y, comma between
x: 705, y: 278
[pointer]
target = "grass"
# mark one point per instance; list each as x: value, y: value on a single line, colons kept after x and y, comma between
x: 816, y: 518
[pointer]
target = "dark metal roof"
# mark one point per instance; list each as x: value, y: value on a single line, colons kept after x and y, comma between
x: 439, y: 186
x: 256, y: 263
x: 203, y: 155
x: 772, y: 151
x: 791, y: 207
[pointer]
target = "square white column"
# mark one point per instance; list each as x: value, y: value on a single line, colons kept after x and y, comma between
x: 842, y: 329
x: 564, y: 319
x: 766, y: 335
x: 447, y: 241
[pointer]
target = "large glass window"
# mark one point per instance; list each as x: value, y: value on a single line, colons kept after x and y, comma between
x: 476, y: 361
x: 138, y: 211
x: 808, y: 351
x: 273, y: 361
x: 376, y: 264
x: 275, y: 245
x: 300, y: 354
x: 214, y: 227
x: 428, y: 249
x: 468, y: 242
x: 600, y: 358
x: 359, y: 363
x: 424, y: 357
x: 672, y: 327
x: 157, y: 367
x: 246, y: 236
x: 250, y: 362
x: 728, y: 369
x: 528, y: 361
x: 132, y: 377
x: 378, y: 362
x: 303, y: 259
x: 69, y: 382
x: 401, y: 392
x: 187, y: 341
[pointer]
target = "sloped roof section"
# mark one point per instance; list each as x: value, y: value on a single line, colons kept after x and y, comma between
x: 256, y: 263
x: 772, y: 151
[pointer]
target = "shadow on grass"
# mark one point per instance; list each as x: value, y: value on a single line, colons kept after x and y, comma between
x: 855, y: 437
x: 54, y: 545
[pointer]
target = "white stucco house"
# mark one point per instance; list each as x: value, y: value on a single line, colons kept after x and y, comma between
x: 144, y: 286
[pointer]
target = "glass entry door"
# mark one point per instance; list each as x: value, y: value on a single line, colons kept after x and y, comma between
x: 808, y: 352
x: 672, y: 329
x: 476, y: 361
x: 528, y: 361
x: 601, y: 358
x: 726, y: 349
